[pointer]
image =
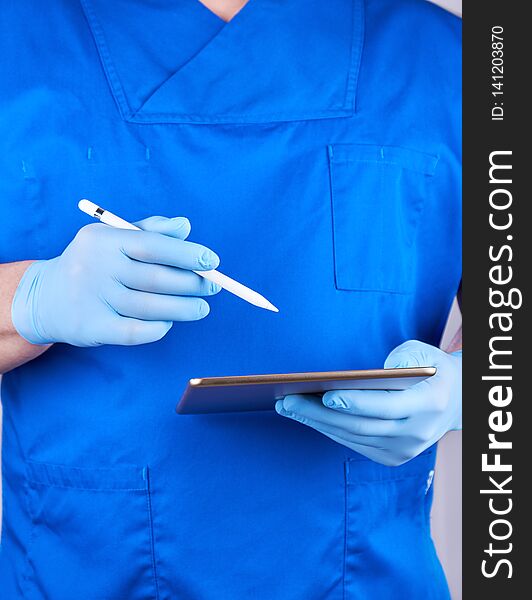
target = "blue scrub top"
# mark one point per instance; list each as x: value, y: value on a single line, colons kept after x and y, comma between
x: 315, y: 147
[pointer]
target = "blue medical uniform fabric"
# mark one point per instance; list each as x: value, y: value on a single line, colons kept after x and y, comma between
x: 315, y: 146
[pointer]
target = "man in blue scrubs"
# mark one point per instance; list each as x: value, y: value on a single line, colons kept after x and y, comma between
x: 314, y: 149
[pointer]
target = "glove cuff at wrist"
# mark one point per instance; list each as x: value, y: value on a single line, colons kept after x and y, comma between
x: 23, y: 307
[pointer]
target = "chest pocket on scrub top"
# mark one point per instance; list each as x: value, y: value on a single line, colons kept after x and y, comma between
x: 378, y: 194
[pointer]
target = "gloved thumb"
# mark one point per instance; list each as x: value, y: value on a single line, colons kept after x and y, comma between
x: 178, y: 227
x: 412, y: 354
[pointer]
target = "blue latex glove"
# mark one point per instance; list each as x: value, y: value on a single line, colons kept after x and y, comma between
x: 115, y: 286
x: 390, y: 427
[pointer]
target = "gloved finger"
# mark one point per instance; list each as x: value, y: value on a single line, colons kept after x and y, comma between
x: 178, y: 227
x: 149, y: 247
x: 343, y: 435
x: 413, y: 353
x: 376, y: 404
x: 311, y: 408
x: 157, y: 307
x: 132, y: 332
x: 161, y: 279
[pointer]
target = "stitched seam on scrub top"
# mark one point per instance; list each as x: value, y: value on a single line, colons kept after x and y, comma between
x: 366, y: 481
x: 407, y: 158
x: 402, y: 165
x: 151, y: 533
x: 86, y: 489
x: 346, y: 527
x: 240, y: 119
x: 116, y: 478
x: 334, y: 241
x: 114, y: 84
x: 28, y: 571
x: 358, y: 26
x: 372, y: 291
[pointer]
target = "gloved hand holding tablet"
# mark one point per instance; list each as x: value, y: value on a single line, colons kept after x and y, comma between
x: 260, y: 392
x: 390, y: 427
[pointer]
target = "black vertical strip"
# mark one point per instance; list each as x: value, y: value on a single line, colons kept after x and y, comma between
x: 498, y: 544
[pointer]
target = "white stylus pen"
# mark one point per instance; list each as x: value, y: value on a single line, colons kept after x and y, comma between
x: 222, y: 280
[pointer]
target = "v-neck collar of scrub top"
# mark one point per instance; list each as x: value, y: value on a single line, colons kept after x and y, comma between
x: 177, y: 62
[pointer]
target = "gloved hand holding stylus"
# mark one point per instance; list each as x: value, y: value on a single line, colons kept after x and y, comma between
x: 115, y: 286
x: 390, y: 427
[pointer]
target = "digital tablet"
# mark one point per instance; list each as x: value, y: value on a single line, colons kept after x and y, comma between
x: 260, y: 392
